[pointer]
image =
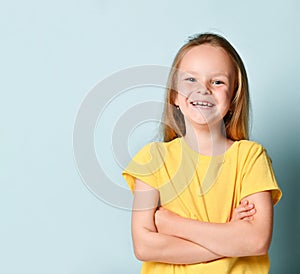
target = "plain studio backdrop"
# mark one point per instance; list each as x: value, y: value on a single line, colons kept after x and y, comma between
x: 53, y: 53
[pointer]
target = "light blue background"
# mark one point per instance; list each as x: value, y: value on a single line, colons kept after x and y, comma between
x: 54, y: 52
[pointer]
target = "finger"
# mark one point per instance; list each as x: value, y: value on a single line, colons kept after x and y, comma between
x: 249, y: 206
x: 251, y: 212
x: 243, y: 208
x: 239, y: 209
x: 248, y: 213
x: 245, y: 202
x: 251, y: 218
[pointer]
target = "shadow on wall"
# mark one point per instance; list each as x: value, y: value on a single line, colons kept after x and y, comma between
x: 284, y: 251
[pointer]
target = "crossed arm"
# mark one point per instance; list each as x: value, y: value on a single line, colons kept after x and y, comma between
x: 162, y: 236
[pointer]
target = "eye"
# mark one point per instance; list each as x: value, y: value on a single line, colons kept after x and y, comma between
x: 217, y: 82
x: 191, y: 79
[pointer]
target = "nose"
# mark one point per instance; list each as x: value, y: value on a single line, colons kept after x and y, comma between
x: 203, y: 90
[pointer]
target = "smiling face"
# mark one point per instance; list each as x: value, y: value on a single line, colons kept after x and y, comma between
x: 206, y: 81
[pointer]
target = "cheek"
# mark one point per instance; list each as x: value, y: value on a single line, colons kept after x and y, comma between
x: 181, y: 99
x: 228, y: 97
x: 182, y: 95
x: 225, y: 95
x: 225, y: 99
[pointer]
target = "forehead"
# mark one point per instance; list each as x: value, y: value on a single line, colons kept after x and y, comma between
x: 206, y: 58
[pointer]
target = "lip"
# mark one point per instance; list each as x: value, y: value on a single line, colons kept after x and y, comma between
x: 202, y: 104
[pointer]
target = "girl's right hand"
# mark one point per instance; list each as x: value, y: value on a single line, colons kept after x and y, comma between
x: 244, y: 211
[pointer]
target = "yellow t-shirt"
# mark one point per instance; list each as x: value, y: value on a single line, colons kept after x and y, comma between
x: 205, y: 188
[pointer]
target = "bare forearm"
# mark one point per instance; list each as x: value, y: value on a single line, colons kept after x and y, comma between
x: 234, y: 239
x: 149, y: 245
x: 158, y: 247
x: 231, y: 239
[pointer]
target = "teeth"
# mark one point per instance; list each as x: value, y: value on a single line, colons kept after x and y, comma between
x: 202, y: 104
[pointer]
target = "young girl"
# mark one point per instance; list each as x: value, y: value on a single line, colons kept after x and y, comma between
x: 203, y: 198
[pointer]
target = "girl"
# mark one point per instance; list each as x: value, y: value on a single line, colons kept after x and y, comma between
x: 216, y: 189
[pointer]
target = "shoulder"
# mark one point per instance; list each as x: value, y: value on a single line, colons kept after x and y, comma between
x: 155, y: 149
x: 175, y: 144
x: 250, y: 146
x: 168, y: 146
x: 246, y: 150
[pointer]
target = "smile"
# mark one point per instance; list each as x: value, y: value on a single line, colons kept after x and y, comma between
x: 204, y: 104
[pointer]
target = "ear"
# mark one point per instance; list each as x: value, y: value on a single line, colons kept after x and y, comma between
x: 176, y: 102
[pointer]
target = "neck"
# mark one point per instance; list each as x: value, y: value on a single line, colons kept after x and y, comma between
x: 207, y: 139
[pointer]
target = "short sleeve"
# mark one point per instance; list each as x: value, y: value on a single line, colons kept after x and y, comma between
x: 145, y: 166
x: 258, y: 174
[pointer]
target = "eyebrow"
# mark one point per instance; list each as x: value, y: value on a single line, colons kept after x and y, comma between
x: 214, y: 74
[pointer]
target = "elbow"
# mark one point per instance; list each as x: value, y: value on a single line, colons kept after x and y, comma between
x: 141, y: 252
x: 262, y: 249
x: 260, y: 246
x: 144, y: 245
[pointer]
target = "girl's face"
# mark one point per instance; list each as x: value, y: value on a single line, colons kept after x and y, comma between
x: 206, y: 78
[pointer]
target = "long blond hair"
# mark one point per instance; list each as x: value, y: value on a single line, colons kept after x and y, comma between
x: 236, y: 120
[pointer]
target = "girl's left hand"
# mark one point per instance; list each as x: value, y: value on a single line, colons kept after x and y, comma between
x: 245, y: 211
x: 165, y: 220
